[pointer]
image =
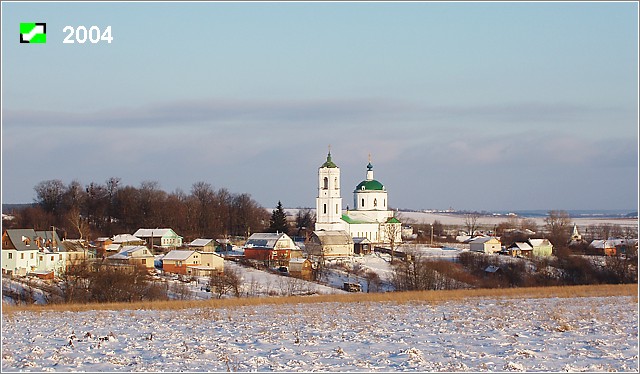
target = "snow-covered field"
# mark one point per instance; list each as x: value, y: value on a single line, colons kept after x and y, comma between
x: 459, y: 219
x: 578, y: 334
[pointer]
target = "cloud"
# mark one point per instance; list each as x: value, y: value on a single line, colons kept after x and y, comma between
x: 220, y: 111
x: 379, y: 113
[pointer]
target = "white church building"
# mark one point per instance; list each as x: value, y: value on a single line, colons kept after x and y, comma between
x: 370, y: 218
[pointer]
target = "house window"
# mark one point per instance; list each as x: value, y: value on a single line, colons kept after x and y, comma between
x: 22, y: 256
x: 52, y: 258
x: 32, y: 256
x: 10, y: 255
x: 363, y: 203
x: 375, y: 202
x: 325, y: 183
x: 325, y: 209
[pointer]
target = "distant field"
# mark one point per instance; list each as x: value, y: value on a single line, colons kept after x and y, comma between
x: 397, y: 297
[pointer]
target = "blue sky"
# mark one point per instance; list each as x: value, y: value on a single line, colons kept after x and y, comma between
x: 477, y: 106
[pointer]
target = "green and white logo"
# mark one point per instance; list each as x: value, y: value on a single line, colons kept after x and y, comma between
x: 33, y: 32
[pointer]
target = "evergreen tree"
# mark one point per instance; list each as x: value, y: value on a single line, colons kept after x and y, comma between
x: 278, y: 221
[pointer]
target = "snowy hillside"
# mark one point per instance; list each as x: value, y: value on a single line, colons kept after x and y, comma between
x: 578, y: 334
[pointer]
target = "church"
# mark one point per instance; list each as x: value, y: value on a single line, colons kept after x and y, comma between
x: 370, y: 217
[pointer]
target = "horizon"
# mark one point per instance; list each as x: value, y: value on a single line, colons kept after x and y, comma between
x: 518, y: 212
x: 482, y: 106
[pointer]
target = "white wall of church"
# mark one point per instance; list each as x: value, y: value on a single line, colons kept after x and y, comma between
x: 328, y: 202
x: 365, y: 230
x: 370, y: 200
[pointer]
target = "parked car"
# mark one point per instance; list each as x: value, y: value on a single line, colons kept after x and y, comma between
x: 205, y: 288
x: 352, y: 287
x: 283, y: 270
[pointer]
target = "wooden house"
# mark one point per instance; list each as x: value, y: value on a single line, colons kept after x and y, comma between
x: 330, y: 244
x: 301, y: 268
x: 520, y: 249
x: 203, y: 245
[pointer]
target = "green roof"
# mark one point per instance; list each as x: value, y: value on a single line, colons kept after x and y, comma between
x: 372, y: 185
x: 393, y: 220
x: 351, y: 221
x: 329, y: 163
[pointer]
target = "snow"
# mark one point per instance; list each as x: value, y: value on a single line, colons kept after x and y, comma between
x: 488, y: 334
x: 459, y: 219
x: 262, y: 283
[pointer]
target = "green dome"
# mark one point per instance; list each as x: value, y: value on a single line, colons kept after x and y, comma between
x: 329, y: 163
x: 372, y: 185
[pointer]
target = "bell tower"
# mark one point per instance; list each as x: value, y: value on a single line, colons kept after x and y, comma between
x: 328, y: 202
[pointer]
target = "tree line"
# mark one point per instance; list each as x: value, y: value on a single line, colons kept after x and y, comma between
x: 110, y: 208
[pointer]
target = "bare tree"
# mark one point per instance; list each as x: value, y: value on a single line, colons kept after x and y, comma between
x: 78, y: 222
x: 373, y: 281
x: 471, y: 222
x: 558, y: 225
x: 224, y: 283
x: 412, y: 275
x: 392, y: 231
x: 49, y: 195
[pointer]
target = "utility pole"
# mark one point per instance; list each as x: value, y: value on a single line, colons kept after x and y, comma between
x: 432, y: 235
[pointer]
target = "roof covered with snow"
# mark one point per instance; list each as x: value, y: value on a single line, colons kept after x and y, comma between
x: 200, y: 242
x: 178, y: 255
x: 539, y: 242
x: 126, y: 238
x: 264, y: 240
x: 135, y: 250
x: 333, y: 237
x: 482, y: 240
x: 522, y: 246
x: 156, y: 233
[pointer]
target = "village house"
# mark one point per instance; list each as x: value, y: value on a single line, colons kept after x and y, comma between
x: 541, y: 247
x: 519, y: 249
x: 203, y: 245
x: 51, y: 262
x: 361, y: 246
x: 119, y: 241
x: 137, y: 255
x: 486, y: 244
x: 26, y: 251
x: 275, y: 248
x: 212, y: 260
x: 612, y: 247
x: 211, y: 263
x: 177, y: 261
x: 19, y: 251
x: 330, y: 244
x: 301, y: 268
x: 101, y: 245
x: 160, y: 238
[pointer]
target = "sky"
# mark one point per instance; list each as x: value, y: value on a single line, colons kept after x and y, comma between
x: 463, y: 105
